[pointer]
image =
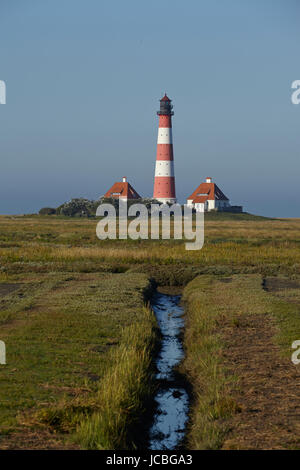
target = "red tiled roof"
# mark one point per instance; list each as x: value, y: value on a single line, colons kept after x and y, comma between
x: 200, y: 199
x: 209, y: 192
x: 165, y: 98
x: 122, y: 189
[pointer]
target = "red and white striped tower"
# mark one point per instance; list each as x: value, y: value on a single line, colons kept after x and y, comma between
x: 164, y: 181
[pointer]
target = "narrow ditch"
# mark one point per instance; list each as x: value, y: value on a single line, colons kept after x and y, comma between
x: 167, y: 429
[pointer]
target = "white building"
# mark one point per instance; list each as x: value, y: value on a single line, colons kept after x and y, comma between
x: 208, y: 196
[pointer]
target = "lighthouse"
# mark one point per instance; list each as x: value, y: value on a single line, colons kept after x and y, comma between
x: 164, y: 181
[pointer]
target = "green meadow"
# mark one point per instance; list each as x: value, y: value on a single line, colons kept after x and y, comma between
x: 81, y: 337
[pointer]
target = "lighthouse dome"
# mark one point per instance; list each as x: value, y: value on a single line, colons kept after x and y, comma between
x: 165, y: 98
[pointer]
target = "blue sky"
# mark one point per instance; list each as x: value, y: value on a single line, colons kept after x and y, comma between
x: 84, y: 79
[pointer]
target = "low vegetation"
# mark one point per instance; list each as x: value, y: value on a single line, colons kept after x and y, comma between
x: 222, y: 314
x: 82, y: 207
x: 124, y: 391
x: 73, y: 345
x: 52, y: 243
x: 80, y: 337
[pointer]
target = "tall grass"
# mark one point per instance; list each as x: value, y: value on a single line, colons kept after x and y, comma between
x: 56, y: 243
x: 109, y: 418
x: 203, y: 365
x: 124, y: 390
x: 214, y: 312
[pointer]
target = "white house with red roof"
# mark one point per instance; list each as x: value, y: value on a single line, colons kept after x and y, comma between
x: 208, y: 196
x: 122, y: 190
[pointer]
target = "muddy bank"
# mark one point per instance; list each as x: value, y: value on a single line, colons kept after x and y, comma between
x: 8, y: 288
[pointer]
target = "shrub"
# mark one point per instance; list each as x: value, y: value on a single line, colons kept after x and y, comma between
x: 47, y: 211
x: 79, y: 207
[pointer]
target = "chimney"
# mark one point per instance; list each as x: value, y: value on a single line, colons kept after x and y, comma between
x: 208, y: 179
x: 124, y: 179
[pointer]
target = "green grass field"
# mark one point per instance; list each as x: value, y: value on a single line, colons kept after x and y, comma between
x: 80, y: 338
x: 234, y: 325
x: 66, y: 336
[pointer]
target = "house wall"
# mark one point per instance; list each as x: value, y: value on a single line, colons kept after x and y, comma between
x: 211, y: 205
x: 208, y: 205
x: 200, y: 207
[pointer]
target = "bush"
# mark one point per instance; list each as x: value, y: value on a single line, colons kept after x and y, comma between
x: 47, y: 211
x: 81, y: 207
x: 78, y: 208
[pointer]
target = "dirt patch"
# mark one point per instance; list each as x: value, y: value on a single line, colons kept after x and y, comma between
x: 226, y: 280
x: 170, y: 290
x: 274, y: 284
x: 6, y: 289
x: 268, y: 391
x: 35, y: 440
